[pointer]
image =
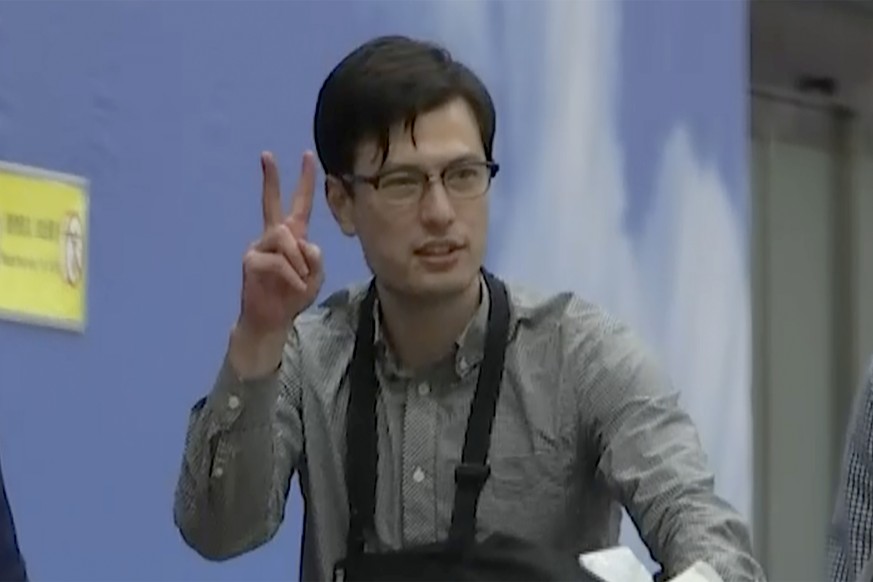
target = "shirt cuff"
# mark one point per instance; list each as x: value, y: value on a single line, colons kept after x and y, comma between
x: 242, y: 404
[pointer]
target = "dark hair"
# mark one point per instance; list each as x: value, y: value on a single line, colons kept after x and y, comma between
x: 388, y: 80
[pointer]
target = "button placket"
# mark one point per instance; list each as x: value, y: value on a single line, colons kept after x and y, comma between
x: 419, y: 448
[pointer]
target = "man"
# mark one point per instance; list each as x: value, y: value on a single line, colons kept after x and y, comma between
x: 434, y: 472
x: 850, y: 541
x: 11, y: 563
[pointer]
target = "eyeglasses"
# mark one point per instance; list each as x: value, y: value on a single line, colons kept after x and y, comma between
x: 461, y: 180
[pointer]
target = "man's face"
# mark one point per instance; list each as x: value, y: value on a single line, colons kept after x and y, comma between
x: 429, y: 246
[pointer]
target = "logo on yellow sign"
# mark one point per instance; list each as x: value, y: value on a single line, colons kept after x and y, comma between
x: 43, y: 242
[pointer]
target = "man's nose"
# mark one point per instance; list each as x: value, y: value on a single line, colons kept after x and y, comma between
x: 436, y: 204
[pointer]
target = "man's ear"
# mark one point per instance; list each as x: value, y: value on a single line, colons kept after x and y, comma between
x: 341, y: 204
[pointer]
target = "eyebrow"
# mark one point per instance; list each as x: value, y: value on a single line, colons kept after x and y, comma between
x: 390, y: 167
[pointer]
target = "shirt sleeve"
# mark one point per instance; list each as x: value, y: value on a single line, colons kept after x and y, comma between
x: 242, y: 446
x: 850, y: 537
x: 11, y: 562
x: 651, y: 459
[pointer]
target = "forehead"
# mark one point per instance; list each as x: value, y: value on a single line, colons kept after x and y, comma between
x: 440, y: 136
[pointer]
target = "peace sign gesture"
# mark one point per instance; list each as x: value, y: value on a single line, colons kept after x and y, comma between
x: 282, y: 271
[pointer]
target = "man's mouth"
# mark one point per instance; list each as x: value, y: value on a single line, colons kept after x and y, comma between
x: 437, y: 249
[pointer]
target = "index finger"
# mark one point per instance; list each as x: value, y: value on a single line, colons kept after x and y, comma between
x: 272, y: 195
x: 301, y: 200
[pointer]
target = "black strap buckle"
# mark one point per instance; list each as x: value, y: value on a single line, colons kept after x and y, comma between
x: 472, y: 475
x: 470, y: 478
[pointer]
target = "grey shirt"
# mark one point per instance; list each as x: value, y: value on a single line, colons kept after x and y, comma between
x: 586, y: 423
x: 850, y: 537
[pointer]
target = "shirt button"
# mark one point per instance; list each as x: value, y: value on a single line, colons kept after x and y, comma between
x: 418, y: 475
x: 423, y: 389
x: 218, y: 472
x: 233, y: 402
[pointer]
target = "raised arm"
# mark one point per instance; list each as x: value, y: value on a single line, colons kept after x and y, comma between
x: 244, y: 439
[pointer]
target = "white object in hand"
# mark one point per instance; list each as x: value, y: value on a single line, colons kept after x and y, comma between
x: 618, y: 564
x: 698, y: 572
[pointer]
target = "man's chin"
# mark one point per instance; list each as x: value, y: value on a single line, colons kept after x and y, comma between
x: 443, y: 284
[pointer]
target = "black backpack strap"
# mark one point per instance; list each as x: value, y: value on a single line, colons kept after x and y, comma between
x: 361, y: 434
x: 471, y: 474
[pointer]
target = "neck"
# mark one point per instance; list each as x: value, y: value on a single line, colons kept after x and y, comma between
x: 422, y: 331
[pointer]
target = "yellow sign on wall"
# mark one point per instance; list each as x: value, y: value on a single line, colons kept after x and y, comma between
x: 43, y: 247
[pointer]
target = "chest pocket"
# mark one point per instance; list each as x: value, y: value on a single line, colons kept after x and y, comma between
x: 526, y: 495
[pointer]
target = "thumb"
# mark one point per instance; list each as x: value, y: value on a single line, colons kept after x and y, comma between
x: 312, y: 254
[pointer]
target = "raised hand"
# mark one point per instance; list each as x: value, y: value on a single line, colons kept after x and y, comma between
x: 282, y: 271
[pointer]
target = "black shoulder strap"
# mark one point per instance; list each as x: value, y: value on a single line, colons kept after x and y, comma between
x: 471, y: 474
x: 361, y: 433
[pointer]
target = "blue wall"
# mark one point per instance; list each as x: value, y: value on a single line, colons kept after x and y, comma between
x: 621, y: 135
